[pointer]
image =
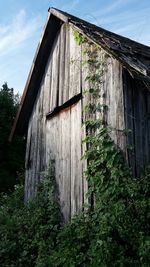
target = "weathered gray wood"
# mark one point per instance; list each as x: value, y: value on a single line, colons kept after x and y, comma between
x: 55, y: 74
x: 62, y: 63
x: 47, y: 85
x: 58, y: 138
x: 58, y: 14
x: 129, y: 120
x: 27, y: 163
x: 137, y: 120
x: 32, y: 156
x: 35, y: 140
x: 116, y: 104
x: 75, y: 66
x: 66, y: 164
x: 65, y: 146
x: 53, y: 139
x: 85, y: 116
x: 76, y: 164
x: 66, y: 88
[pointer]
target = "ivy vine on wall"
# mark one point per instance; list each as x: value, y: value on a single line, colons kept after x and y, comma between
x: 114, y: 233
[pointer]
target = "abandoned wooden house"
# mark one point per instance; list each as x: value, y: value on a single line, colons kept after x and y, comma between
x: 52, y: 106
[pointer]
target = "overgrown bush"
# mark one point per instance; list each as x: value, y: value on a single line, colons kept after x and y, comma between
x: 112, y: 232
x: 28, y: 232
x: 11, y: 154
x: 115, y: 232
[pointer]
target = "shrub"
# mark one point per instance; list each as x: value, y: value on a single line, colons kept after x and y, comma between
x: 115, y: 232
x: 28, y: 232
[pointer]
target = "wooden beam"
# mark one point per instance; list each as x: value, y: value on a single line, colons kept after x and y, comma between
x: 58, y: 14
x: 51, y: 29
x: 67, y: 104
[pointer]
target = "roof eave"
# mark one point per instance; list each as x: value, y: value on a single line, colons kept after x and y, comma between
x: 30, y: 90
x: 53, y: 23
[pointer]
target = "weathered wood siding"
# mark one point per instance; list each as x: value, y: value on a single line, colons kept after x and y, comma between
x: 137, y: 118
x: 59, y: 137
x: 110, y: 95
x: 63, y: 141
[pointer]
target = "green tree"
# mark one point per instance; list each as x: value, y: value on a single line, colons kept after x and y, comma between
x: 11, y: 154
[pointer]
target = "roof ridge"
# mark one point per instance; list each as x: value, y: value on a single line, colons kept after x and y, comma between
x: 134, y: 56
x: 73, y: 18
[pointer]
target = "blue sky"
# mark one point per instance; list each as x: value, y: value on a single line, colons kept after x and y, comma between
x: 21, y: 23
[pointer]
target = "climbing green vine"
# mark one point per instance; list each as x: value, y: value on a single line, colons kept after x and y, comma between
x: 114, y: 232
x: 117, y: 228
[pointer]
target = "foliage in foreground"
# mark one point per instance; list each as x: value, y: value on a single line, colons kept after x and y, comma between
x: 28, y: 232
x: 11, y: 154
x: 114, y: 233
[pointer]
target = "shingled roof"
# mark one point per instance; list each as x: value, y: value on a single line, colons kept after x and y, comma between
x: 134, y: 56
x: 130, y: 53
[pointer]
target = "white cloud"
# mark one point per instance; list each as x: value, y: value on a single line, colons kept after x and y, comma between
x: 108, y: 13
x: 3, y: 29
x: 125, y: 15
x: 18, y: 41
x: 120, y: 17
x: 18, y: 31
x: 112, y: 7
x: 70, y: 5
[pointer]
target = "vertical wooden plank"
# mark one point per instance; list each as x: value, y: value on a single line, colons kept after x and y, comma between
x: 58, y: 138
x: 65, y: 144
x: 147, y: 127
x: 47, y: 85
x: 36, y: 147
x: 55, y: 74
x: 32, y: 155
x: 129, y: 119
x: 41, y: 138
x: 27, y: 162
x: 84, y: 101
x: 67, y: 65
x: 115, y: 103
x: 59, y: 160
x: 76, y: 164
x: 139, y: 119
x: 75, y: 66
x: 120, y: 123
x: 62, y: 65
x: 137, y: 100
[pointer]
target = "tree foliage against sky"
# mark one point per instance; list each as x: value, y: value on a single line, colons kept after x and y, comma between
x: 11, y: 154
